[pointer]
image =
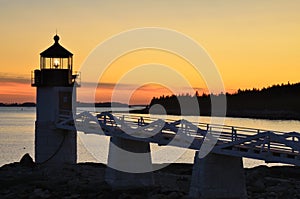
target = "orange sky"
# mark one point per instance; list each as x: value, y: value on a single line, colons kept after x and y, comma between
x: 253, y: 43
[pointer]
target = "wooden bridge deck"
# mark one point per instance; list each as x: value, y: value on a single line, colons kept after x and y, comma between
x: 270, y: 146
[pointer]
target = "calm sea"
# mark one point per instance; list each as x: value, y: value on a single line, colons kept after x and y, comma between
x: 17, y: 138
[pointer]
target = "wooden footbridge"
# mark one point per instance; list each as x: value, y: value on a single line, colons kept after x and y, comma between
x: 270, y: 146
x: 218, y: 174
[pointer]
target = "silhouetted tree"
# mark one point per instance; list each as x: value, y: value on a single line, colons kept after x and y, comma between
x: 275, y: 99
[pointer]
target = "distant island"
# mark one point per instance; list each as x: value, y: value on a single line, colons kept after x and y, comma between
x: 79, y: 104
x: 274, y: 102
x: 102, y: 104
x: 25, y: 104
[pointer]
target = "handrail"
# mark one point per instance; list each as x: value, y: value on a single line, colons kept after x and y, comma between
x: 232, y: 140
x: 237, y: 128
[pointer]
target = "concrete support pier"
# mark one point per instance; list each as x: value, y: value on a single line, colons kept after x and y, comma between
x: 218, y: 176
x: 129, y: 164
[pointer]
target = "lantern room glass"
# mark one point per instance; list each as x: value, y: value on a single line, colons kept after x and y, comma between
x: 56, y: 63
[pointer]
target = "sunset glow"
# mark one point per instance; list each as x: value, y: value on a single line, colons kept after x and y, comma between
x: 11, y: 92
x: 254, y: 44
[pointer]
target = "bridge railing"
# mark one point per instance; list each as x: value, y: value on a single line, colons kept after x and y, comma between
x: 240, y: 139
x: 228, y: 134
x: 234, y: 131
x: 271, y: 146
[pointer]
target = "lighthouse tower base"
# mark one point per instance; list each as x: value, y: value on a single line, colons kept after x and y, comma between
x: 54, y: 146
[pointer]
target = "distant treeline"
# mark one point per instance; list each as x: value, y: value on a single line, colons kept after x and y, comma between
x: 274, y: 102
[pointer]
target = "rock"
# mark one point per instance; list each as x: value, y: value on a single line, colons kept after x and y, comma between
x: 157, y: 196
x: 173, y: 195
x: 278, y: 188
x: 27, y: 161
x: 258, y: 186
x: 125, y: 196
x: 87, y: 181
x: 10, y: 195
x: 271, y: 182
x: 39, y: 193
x: 272, y: 195
x: 73, y: 196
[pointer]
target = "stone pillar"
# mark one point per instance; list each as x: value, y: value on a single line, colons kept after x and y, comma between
x: 129, y: 164
x: 218, y: 176
x: 54, y: 146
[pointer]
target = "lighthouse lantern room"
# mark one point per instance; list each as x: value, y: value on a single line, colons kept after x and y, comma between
x: 55, y: 100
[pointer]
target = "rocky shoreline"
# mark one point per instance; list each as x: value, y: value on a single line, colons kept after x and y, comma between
x: 86, y: 180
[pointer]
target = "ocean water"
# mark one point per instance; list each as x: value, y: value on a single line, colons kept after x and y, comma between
x: 17, y: 138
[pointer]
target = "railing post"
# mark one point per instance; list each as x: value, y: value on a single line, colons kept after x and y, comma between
x: 123, y: 119
x: 293, y: 150
x: 141, y: 121
x: 269, y: 144
x: 266, y: 141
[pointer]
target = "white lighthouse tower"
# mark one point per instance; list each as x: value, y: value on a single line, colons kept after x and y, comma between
x: 54, y: 102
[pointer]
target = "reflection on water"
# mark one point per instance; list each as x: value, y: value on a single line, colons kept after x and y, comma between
x: 17, y: 137
x: 16, y: 133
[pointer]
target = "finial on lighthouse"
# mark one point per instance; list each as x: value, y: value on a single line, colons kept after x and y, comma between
x: 56, y: 38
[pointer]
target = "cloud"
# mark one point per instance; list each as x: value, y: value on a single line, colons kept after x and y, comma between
x: 106, y: 85
x: 8, y: 78
x: 15, y: 88
x: 13, y: 78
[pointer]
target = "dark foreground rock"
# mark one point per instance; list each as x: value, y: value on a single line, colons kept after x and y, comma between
x: 86, y: 180
x: 273, y: 182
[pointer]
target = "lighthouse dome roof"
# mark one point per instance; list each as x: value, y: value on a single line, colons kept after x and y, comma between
x: 56, y: 50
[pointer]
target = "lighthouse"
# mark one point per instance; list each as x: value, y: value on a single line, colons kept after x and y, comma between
x: 55, y: 85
